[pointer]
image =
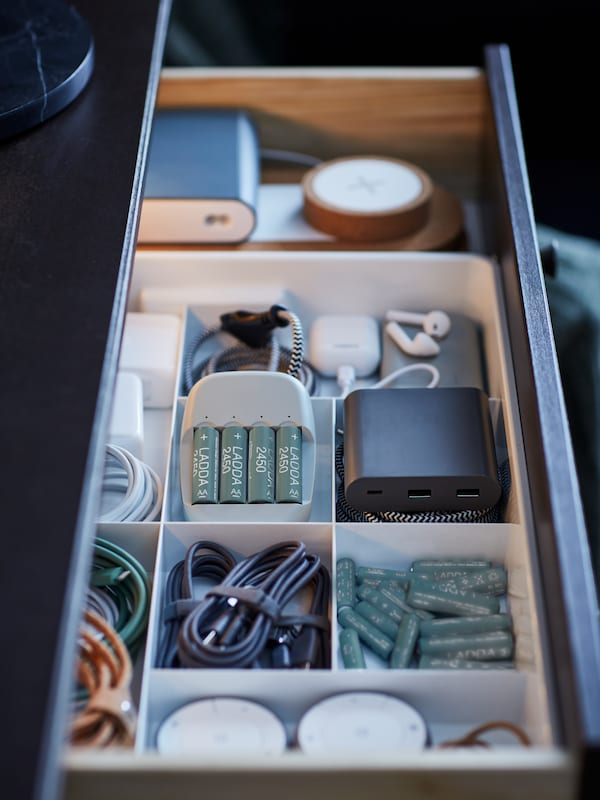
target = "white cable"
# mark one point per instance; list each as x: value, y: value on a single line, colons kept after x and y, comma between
x: 139, y: 484
x: 435, y: 379
x: 346, y: 377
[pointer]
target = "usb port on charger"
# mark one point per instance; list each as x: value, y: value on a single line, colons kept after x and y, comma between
x: 467, y: 492
x: 419, y: 494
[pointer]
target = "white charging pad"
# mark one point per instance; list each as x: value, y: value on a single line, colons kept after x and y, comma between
x: 367, y: 198
x: 356, y: 723
x: 222, y: 726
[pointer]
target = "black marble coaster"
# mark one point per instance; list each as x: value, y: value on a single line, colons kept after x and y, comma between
x: 46, y: 60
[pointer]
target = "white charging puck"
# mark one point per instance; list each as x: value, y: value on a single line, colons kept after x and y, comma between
x: 221, y: 726
x: 356, y: 723
x: 367, y: 198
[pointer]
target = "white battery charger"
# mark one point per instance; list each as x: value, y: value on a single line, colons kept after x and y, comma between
x: 247, y: 397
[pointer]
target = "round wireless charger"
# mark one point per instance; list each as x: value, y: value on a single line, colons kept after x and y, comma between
x: 46, y: 60
x: 357, y: 723
x: 222, y: 726
x: 367, y: 198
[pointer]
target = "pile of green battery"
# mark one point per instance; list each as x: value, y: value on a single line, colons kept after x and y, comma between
x: 438, y: 614
x: 238, y: 464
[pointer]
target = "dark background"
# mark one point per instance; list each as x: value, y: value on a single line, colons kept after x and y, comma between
x: 554, y: 52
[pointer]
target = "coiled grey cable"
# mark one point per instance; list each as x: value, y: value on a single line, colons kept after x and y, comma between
x: 103, y: 605
x: 140, y: 487
x: 231, y: 625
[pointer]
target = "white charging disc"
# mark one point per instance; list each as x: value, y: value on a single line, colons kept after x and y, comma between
x: 356, y: 723
x: 222, y: 726
x: 368, y: 184
x: 367, y: 198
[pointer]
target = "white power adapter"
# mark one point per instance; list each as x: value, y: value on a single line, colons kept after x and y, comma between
x: 149, y: 350
x: 127, y: 415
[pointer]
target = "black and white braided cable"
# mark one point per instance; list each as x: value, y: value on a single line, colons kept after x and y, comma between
x: 296, y: 355
x: 273, y: 358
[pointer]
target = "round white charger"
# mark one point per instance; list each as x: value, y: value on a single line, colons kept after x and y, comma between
x: 356, y: 723
x: 367, y: 198
x: 222, y: 726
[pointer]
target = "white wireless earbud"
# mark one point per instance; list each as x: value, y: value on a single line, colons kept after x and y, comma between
x: 435, y: 323
x: 422, y: 345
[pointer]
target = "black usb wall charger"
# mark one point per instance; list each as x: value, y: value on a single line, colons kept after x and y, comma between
x: 419, y: 450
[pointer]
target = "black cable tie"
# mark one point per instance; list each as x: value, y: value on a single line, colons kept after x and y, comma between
x: 253, y: 597
x: 253, y: 327
x: 179, y: 608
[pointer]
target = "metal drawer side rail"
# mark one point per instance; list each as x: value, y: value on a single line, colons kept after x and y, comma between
x: 568, y: 583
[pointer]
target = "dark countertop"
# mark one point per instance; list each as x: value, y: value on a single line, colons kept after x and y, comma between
x: 67, y: 234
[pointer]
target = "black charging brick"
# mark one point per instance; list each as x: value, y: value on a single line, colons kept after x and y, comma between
x: 419, y: 450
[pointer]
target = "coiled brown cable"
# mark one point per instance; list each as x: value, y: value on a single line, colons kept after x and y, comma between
x: 473, y: 737
x: 104, y: 669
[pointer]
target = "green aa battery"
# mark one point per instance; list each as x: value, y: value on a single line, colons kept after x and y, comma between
x: 345, y: 582
x: 205, y: 464
x: 234, y: 463
x: 374, y: 596
x: 261, y: 464
x: 401, y: 600
x: 441, y: 575
x: 447, y: 599
x: 367, y: 574
x: 352, y: 653
x: 487, y: 581
x: 476, y: 646
x: 371, y: 636
x: 433, y: 662
x: 378, y: 618
x: 450, y: 626
x: 406, y: 640
x: 288, y: 475
x: 431, y: 565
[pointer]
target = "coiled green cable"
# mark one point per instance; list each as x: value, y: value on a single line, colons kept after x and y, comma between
x: 116, y: 572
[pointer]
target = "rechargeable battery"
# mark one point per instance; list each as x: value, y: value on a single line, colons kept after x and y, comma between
x: 205, y: 464
x: 288, y: 475
x: 234, y: 463
x: 261, y: 464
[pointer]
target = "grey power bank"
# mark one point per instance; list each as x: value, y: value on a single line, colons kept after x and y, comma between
x: 202, y: 178
x: 419, y: 450
x: 459, y: 362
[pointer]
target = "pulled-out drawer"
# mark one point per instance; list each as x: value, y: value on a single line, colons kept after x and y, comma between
x: 461, y: 126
